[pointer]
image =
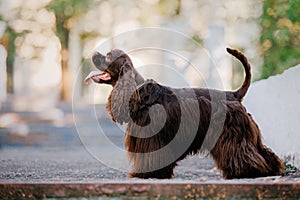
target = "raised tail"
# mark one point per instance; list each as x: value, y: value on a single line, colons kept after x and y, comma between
x: 241, y: 92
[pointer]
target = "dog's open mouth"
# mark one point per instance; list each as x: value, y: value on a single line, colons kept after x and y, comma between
x: 97, y: 76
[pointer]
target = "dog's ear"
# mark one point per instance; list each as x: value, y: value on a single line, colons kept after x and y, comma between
x: 125, y: 68
x: 121, y: 93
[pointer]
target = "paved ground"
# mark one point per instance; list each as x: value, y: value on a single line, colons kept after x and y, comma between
x: 37, y: 165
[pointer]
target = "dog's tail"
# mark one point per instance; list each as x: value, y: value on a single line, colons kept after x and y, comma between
x: 241, y: 92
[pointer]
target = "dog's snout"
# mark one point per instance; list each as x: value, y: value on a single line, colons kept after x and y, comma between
x: 96, y: 58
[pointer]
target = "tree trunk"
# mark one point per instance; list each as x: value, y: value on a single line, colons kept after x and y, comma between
x: 66, y: 87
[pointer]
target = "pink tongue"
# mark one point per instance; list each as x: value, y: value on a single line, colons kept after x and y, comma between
x: 97, y: 76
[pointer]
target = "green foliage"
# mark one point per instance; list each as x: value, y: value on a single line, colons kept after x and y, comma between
x: 290, y: 167
x: 169, y: 7
x: 280, y: 37
x: 198, y: 40
x: 65, y: 12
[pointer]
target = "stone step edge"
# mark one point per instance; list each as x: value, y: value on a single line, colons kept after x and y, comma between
x: 186, y: 190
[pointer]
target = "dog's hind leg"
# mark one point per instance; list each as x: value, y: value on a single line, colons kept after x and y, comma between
x: 240, y: 160
x: 272, y: 160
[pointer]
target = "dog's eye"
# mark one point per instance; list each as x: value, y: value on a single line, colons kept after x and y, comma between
x: 108, y: 57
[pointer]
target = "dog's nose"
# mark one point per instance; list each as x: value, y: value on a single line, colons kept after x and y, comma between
x: 96, y: 58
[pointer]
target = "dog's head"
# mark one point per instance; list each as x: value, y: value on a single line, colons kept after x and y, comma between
x: 117, y: 70
x: 112, y: 66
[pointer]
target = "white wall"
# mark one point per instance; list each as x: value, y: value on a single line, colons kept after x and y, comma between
x: 275, y: 105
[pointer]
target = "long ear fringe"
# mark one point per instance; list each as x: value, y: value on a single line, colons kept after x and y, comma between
x: 119, y: 98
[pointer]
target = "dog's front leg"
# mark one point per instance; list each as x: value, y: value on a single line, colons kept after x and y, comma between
x: 149, y: 158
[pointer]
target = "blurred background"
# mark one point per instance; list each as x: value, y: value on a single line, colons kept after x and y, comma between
x: 45, y: 49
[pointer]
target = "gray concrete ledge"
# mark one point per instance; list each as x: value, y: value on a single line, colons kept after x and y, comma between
x: 154, y: 190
